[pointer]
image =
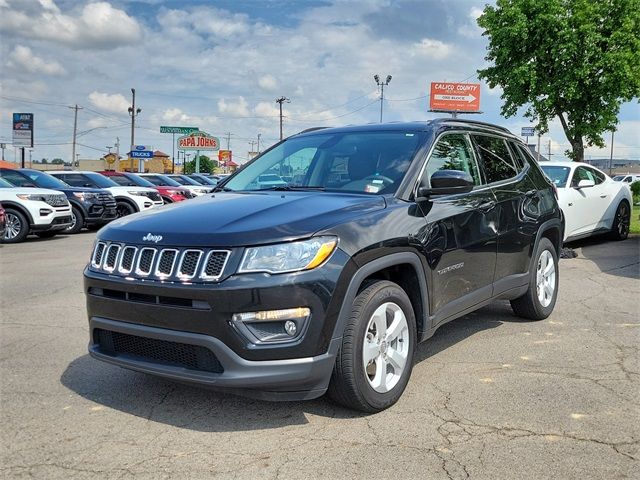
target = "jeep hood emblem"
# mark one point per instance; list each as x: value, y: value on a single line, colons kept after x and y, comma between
x: 152, y: 238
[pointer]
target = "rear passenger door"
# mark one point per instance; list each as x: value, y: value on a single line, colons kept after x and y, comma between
x: 460, y: 240
x: 517, y: 208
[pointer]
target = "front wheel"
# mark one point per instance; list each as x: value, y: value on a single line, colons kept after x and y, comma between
x: 77, y: 221
x: 123, y: 209
x: 17, y: 226
x: 538, y: 302
x: 621, y: 222
x: 375, y: 359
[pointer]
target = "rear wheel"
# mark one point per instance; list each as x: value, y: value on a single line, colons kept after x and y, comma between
x: 375, y: 359
x: 123, y: 209
x: 621, y: 222
x: 77, y: 221
x: 538, y: 302
x: 17, y: 226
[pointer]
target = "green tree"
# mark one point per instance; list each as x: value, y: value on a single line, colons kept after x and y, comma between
x: 57, y: 161
x: 577, y: 60
x: 207, y: 165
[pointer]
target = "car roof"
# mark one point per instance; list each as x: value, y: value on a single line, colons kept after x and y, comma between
x: 417, y: 126
x: 565, y: 163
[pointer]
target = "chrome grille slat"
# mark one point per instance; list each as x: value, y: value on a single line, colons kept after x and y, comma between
x: 111, y: 258
x: 127, y: 259
x: 157, y: 263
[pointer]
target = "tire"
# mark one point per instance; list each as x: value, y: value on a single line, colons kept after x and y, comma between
x: 17, y: 226
x: 48, y: 234
x: 538, y: 302
x: 77, y: 222
x: 363, y: 387
x: 621, y: 222
x: 124, y: 208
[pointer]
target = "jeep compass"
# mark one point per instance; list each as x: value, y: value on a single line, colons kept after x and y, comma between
x: 363, y: 242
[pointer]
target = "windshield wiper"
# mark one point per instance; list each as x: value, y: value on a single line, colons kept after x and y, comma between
x: 284, y: 188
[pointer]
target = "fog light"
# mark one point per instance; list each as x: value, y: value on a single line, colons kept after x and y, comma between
x: 272, y: 326
x: 291, y: 328
x: 45, y: 211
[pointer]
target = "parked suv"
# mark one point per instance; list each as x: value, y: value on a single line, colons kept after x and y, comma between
x: 168, y: 194
x: 328, y: 283
x: 160, y: 180
x: 128, y: 199
x: 32, y: 210
x: 90, y: 207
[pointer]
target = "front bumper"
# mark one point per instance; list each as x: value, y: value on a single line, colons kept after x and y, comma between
x: 292, y: 379
x: 99, y: 213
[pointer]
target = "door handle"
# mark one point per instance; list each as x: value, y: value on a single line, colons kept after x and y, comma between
x: 485, y: 207
x: 603, y: 196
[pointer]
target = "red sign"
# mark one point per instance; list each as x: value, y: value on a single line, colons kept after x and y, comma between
x: 455, y: 97
x: 198, y: 141
x: 224, y: 156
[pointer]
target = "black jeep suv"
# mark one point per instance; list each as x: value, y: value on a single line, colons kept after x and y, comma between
x: 371, y: 238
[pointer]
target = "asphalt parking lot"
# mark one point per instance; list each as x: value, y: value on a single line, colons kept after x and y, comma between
x: 491, y: 396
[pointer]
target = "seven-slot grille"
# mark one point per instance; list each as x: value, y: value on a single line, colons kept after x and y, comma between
x: 56, y: 200
x: 155, y: 263
x: 107, y: 199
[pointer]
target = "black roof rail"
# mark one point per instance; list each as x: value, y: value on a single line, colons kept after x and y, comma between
x: 472, y: 122
x: 312, y: 129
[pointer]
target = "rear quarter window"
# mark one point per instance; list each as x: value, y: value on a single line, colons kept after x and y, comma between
x: 496, y: 158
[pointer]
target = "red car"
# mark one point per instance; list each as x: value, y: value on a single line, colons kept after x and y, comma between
x: 168, y: 194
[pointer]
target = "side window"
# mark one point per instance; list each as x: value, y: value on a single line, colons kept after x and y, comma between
x: 453, y: 152
x: 582, y: 173
x: 497, y: 161
x: 598, y: 177
x: 15, y: 178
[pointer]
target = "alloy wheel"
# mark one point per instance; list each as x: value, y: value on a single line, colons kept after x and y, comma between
x: 386, y: 347
x: 13, y: 228
x: 545, y: 278
x: 623, y: 220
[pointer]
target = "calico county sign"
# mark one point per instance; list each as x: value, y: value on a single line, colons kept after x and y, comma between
x: 454, y: 97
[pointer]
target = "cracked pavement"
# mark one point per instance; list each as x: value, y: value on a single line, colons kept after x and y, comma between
x: 491, y: 396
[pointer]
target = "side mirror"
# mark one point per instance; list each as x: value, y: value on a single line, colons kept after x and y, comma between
x: 585, y: 184
x: 447, y: 182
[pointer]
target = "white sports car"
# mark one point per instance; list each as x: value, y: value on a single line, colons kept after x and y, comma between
x: 592, y: 203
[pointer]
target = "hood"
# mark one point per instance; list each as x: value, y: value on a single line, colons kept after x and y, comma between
x: 236, y: 219
x: 8, y: 192
x: 123, y: 189
x: 71, y: 190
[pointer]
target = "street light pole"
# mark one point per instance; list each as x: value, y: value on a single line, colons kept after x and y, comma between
x: 611, y: 154
x: 133, y: 112
x: 280, y: 101
x: 382, y: 85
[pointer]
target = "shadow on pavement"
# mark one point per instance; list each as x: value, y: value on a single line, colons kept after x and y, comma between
x: 619, y: 258
x: 200, y: 409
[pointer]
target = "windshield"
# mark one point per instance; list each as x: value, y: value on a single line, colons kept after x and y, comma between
x: 130, y: 180
x: 182, y: 180
x: 161, y: 181
x: 202, y: 180
x: 44, y: 180
x: 100, y: 180
x: 618, y: 178
x: 5, y: 184
x: 365, y: 162
x: 558, y: 175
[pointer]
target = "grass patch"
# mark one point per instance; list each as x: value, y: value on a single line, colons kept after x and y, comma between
x: 635, y: 220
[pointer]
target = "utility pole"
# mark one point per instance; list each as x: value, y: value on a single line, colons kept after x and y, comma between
x: 4, y: 145
x: 75, y: 131
x: 611, y: 154
x: 549, y: 150
x: 280, y: 101
x: 117, y: 154
x: 382, y: 85
x: 133, y: 112
x: 228, y: 134
x: 258, y: 147
x: 30, y: 152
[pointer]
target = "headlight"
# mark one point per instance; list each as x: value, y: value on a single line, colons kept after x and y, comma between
x: 139, y: 194
x: 85, y: 196
x: 31, y: 196
x: 288, y: 257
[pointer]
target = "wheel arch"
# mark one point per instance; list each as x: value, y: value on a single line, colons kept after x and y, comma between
x: 129, y: 202
x: 404, y: 269
x: 16, y: 206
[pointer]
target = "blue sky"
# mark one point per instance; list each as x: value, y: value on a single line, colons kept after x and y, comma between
x: 220, y: 65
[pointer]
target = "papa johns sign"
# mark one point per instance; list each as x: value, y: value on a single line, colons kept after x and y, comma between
x: 198, y: 141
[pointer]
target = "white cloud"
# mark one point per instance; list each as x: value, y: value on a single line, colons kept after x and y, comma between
x: 265, y: 109
x: 238, y: 108
x: 22, y: 58
x: 115, y: 103
x: 98, y: 25
x: 268, y: 83
x: 434, y: 49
